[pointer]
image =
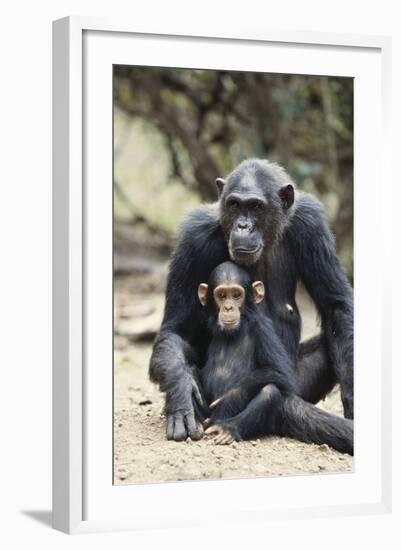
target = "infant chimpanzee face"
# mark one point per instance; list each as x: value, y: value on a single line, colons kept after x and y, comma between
x: 227, y: 290
x: 229, y: 298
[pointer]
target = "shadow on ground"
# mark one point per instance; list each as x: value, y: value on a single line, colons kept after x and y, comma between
x: 41, y: 516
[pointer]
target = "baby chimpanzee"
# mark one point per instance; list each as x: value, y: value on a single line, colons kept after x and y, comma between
x: 248, y: 377
x: 247, y: 367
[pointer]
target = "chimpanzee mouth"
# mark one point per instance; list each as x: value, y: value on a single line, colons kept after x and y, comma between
x: 244, y: 255
x: 230, y: 326
x: 229, y: 323
x: 247, y: 250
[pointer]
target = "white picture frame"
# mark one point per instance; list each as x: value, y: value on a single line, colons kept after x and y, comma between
x: 84, y: 499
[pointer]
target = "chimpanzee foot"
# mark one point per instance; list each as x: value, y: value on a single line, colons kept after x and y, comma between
x: 224, y: 433
x: 206, y: 423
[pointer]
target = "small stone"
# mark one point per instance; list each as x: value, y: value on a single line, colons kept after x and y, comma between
x: 122, y: 473
x: 145, y: 402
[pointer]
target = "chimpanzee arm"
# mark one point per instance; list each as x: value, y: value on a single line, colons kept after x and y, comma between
x: 324, y: 278
x: 170, y: 366
x: 200, y: 248
x: 273, y: 363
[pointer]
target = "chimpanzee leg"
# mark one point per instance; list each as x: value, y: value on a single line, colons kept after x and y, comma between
x: 316, y: 376
x: 305, y: 422
x: 258, y: 417
x: 271, y: 412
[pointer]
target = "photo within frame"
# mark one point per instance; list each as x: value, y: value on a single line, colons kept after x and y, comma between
x: 236, y: 378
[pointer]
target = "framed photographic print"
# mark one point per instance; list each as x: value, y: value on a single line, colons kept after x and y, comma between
x: 213, y: 202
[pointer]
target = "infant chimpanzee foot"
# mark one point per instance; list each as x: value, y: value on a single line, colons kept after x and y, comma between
x: 224, y: 433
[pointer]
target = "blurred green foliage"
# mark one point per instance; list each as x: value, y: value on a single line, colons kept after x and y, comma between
x: 176, y: 130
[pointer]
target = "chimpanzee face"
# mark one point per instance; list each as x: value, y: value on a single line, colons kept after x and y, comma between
x: 253, y: 204
x: 229, y: 300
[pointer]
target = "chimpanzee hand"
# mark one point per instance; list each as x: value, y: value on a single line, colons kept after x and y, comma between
x: 226, y: 406
x: 182, y: 422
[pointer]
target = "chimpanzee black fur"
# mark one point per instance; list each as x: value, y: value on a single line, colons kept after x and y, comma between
x: 250, y: 374
x: 281, y: 237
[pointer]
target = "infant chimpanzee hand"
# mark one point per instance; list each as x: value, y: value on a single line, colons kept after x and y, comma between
x: 228, y: 405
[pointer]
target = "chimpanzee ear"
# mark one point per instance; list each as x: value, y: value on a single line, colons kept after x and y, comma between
x: 287, y: 195
x: 220, y: 182
x: 258, y: 291
x: 202, y: 293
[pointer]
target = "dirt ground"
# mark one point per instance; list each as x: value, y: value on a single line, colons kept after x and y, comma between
x: 142, y: 453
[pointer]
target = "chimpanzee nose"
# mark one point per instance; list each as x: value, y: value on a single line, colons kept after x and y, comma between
x: 243, y: 225
x: 228, y: 307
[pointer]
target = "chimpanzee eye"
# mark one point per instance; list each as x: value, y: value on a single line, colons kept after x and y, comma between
x: 234, y: 204
x: 221, y: 295
x: 237, y: 295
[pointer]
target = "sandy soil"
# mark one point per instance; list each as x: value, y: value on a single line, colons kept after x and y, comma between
x: 142, y: 453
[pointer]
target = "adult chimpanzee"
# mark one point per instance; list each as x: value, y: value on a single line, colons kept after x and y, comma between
x: 281, y: 237
x: 248, y: 376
